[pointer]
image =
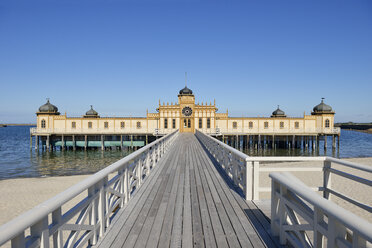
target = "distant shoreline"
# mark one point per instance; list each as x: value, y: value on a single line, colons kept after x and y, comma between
x: 359, y: 127
x: 363, y: 131
x: 5, y: 125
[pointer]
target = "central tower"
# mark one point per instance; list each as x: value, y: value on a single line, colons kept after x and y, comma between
x: 186, y: 101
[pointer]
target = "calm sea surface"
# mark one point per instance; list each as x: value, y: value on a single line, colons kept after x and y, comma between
x: 17, y: 160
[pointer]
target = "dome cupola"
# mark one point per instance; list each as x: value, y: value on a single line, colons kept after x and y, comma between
x: 322, y: 108
x: 278, y: 113
x: 185, y: 91
x: 48, y: 108
x: 91, y: 113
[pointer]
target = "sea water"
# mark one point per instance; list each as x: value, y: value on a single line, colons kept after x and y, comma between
x: 18, y: 160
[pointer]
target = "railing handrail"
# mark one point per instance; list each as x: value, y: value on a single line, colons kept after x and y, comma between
x: 27, y: 219
x: 349, y: 219
x: 366, y: 168
x: 284, y: 159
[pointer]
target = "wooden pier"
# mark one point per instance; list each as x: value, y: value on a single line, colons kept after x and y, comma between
x: 192, y: 190
x: 187, y: 202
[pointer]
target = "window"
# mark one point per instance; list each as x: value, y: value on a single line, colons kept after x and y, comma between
x: 281, y: 124
x: 266, y: 124
x: 235, y: 125
x: 174, y: 123
x: 326, y: 123
x: 200, y: 123
x: 250, y: 124
x: 73, y: 125
x: 43, y: 124
x: 138, y: 124
x: 208, y: 122
x: 297, y: 125
x: 106, y: 124
x: 165, y: 123
x: 90, y: 124
x: 122, y: 124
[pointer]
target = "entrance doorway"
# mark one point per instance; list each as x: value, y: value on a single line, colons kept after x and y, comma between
x: 187, y: 125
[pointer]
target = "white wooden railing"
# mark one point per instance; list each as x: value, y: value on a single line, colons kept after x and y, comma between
x: 245, y: 171
x: 106, y: 192
x: 232, y: 161
x: 303, y: 218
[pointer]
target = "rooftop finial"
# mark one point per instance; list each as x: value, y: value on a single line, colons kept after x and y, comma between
x: 323, y: 99
x: 91, y: 106
x: 278, y: 106
x: 48, y: 99
x: 185, y: 79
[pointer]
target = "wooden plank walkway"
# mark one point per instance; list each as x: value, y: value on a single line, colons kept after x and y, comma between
x: 187, y: 202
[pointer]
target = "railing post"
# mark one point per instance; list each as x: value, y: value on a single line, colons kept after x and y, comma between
x: 335, y: 231
x: 282, y: 215
x: 248, y: 181
x: 153, y: 156
x: 147, y: 162
x: 102, y: 206
x: 57, y: 236
x: 318, y: 219
x: 256, y: 180
x: 41, y: 230
x: 358, y: 241
x: 275, y: 187
x: 93, y: 214
x: 158, y: 147
x: 19, y: 241
x: 126, y: 185
x: 122, y: 187
x: 161, y: 148
x: 139, y: 170
x: 235, y: 168
x: 326, y: 179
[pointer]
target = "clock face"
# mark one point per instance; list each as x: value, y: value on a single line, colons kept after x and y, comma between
x: 187, y: 111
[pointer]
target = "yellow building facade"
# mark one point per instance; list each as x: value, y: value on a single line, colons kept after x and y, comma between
x: 186, y: 116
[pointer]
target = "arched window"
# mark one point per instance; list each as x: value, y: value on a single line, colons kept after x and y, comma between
x: 235, y: 125
x: 297, y: 125
x: 122, y: 124
x: 106, y: 124
x: 266, y: 124
x: 281, y: 124
x: 73, y: 125
x: 326, y: 123
x: 43, y: 124
x: 174, y: 123
x: 250, y: 124
x: 208, y: 122
x: 200, y: 123
x: 138, y: 124
x: 90, y: 125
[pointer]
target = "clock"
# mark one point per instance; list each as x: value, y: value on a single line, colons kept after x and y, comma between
x: 186, y: 111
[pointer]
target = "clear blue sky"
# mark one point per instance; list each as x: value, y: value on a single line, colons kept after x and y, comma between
x: 122, y: 56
